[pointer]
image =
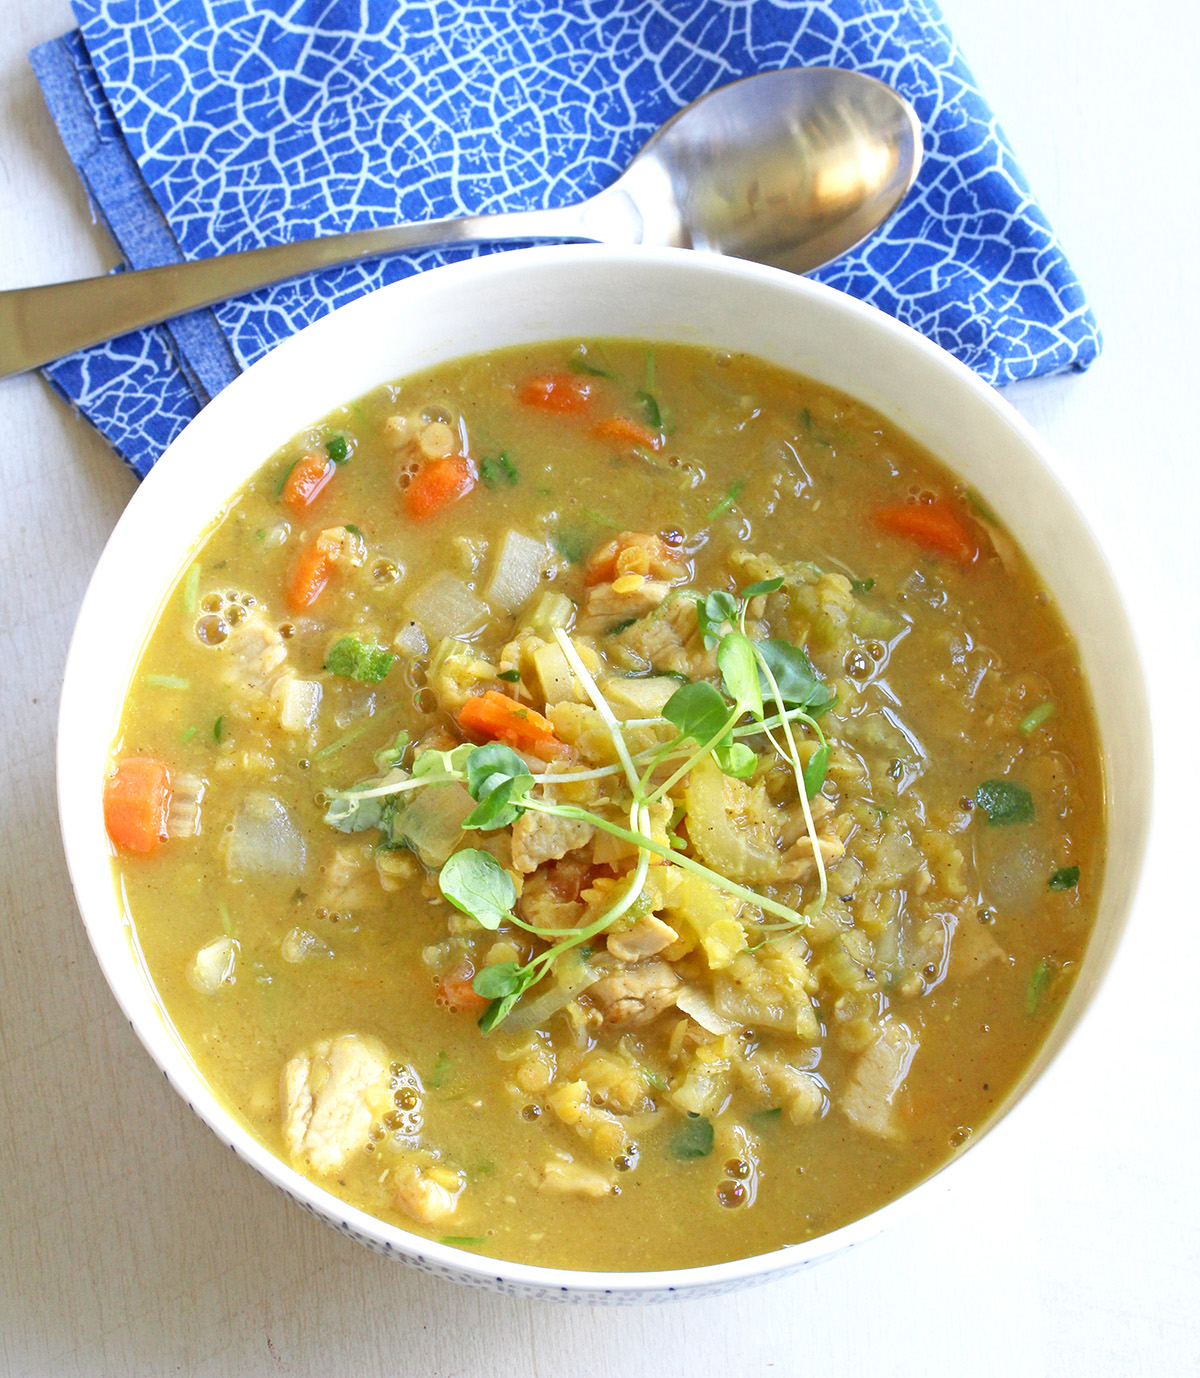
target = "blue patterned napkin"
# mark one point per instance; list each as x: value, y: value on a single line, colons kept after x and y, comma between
x: 202, y: 126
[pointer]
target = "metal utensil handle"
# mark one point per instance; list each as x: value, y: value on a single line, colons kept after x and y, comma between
x: 38, y: 324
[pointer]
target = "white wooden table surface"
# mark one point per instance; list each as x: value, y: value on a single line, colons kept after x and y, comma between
x: 132, y: 1243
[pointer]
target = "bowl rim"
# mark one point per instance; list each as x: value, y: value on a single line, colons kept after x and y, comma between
x: 165, y: 1047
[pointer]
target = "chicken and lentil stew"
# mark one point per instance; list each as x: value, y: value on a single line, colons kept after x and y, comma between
x: 609, y: 807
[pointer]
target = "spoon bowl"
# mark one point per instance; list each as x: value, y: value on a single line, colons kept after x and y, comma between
x: 789, y: 168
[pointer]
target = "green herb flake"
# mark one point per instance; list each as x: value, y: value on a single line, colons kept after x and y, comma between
x: 579, y: 363
x: 693, y: 1139
x: 356, y: 531
x: 1032, y: 720
x: 862, y: 585
x: 620, y: 627
x: 261, y: 534
x: 735, y: 492
x: 218, y: 728
x: 463, y: 1241
x: 768, y: 1117
x: 187, y: 734
x: 1065, y: 878
x: 283, y: 478
x: 496, y: 471
x: 571, y: 544
x: 441, y: 1070
x: 354, y: 659
x: 338, y: 449
x: 510, y: 676
x: 1039, y: 984
x: 191, y: 590
x: 1005, y: 802
x: 649, y: 404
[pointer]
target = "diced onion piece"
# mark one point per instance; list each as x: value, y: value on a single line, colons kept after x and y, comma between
x: 299, y: 701
x: 410, y: 640
x: 445, y: 606
x: 432, y: 823
x: 264, y: 840
x: 183, y: 812
x: 698, y: 1005
x: 299, y: 943
x: 212, y: 966
x: 520, y: 564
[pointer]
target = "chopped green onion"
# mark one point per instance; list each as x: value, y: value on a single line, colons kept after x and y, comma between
x: 338, y: 449
x: 1036, y: 717
x: 191, y: 590
x: 187, y: 734
x: 510, y: 676
x: 735, y: 492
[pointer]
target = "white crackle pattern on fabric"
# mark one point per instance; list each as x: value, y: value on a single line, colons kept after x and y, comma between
x: 254, y: 124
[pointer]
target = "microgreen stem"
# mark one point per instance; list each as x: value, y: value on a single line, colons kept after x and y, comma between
x: 601, y: 703
x: 679, y: 859
x: 798, y: 770
x: 734, y: 715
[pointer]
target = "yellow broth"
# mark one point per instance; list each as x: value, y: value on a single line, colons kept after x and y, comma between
x: 943, y: 673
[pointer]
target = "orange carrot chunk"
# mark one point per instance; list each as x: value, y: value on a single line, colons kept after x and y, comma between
x: 621, y: 431
x: 495, y: 715
x: 437, y: 484
x: 137, y: 795
x: 308, y: 576
x: 934, y: 526
x: 460, y: 996
x: 304, y: 484
x: 560, y: 392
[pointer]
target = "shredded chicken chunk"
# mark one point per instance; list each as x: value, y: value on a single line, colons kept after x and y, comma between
x: 537, y: 837
x: 637, y: 995
x: 869, y: 1099
x: 331, y: 1099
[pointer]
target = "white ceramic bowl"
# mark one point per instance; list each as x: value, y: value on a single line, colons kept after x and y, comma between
x: 549, y: 294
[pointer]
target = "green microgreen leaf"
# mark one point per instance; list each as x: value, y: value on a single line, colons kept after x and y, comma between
x: 351, y: 813
x: 496, y: 471
x: 736, y: 759
x: 814, y: 771
x: 735, y: 492
x: 476, y: 883
x: 735, y: 659
x: 338, y: 449
x: 1005, y: 802
x: 799, y: 684
x: 498, y: 980
x: 697, y: 711
x: 763, y: 586
x: 432, y: 762
x: 693, y: 1139
x: 389, y: 757
x: 1065, y: 878
x: 485, y: 762
x: 712, y: 614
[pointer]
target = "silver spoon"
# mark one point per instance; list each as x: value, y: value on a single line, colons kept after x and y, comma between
x: 789, y: 168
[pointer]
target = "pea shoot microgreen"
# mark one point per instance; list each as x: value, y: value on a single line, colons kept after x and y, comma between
x: 772, y: 684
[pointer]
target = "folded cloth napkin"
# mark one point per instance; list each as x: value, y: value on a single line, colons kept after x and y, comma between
x: 204, y: 126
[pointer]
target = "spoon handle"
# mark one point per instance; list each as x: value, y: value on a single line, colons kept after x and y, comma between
x: 38, y: 324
